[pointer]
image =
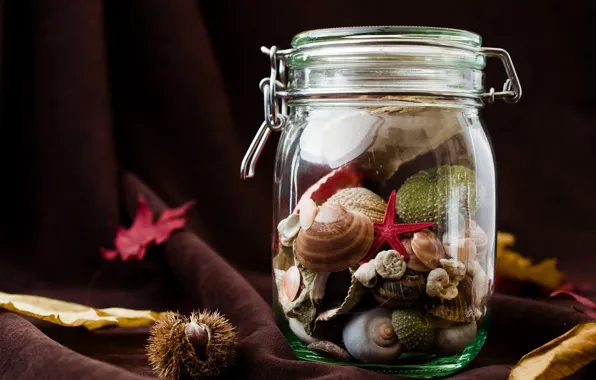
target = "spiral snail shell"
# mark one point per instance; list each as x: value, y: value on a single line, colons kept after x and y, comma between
x: 370, y: 338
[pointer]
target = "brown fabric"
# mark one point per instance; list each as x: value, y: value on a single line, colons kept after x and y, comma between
x: 95, y: 90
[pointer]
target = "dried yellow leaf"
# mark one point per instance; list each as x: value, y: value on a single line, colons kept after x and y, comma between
x: 511, y: 264
x: 73, y: 315
x: 560, y: 357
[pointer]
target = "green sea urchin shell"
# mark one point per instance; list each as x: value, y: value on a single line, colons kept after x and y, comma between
x: 413, y: 330
x: 427, y: 195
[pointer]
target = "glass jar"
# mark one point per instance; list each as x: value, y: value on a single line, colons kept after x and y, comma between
x: 384, y: 195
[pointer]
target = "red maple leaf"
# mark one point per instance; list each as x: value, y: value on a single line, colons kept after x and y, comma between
x: 133, y: 242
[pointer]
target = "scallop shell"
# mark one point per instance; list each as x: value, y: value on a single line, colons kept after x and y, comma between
x: 456, y: 310
x: 370, y: 338
x: 362, y: 200
x: 427, y: 248
x: 396, y: 293
x: 463, y: 250
x: 414, y: 263
x: 336, y: 240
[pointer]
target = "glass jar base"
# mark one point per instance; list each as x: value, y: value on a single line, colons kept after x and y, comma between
x: 416, y: 366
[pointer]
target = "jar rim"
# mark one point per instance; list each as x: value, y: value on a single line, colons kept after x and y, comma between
x: 449, y: 36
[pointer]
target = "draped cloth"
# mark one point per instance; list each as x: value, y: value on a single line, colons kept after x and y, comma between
x: 103, y: 100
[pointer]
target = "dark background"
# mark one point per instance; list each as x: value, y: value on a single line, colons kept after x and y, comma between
x: 168, y: 90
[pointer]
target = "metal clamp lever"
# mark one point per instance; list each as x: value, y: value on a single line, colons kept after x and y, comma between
x: 512, y: 90
x: 274, y: 113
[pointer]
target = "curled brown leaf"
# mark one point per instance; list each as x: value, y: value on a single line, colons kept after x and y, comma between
x: 560, y: 357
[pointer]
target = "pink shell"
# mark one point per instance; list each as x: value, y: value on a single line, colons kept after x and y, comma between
x: 291, y: 283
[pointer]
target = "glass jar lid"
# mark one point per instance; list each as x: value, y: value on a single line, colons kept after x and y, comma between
x: 448, y: 35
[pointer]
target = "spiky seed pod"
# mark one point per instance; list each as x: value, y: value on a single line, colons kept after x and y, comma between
x: 198, y: 347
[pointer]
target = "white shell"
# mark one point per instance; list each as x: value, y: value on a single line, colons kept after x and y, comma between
x: 455, y: 338
x: 479, y: 288
x: 318, y: 288
x: 439, y: 285
x: 336, y: 137
x: 288, y: 229
x: 455, y: 269
x: 298, y: 330
x: 366, y: 274
x: 308, y: 212
x: 390, y: 265
x: 473, y: 268
x: 365, y: 337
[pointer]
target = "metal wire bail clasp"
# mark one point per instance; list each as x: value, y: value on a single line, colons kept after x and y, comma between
x: 274, y: 109
x: 512, y: 90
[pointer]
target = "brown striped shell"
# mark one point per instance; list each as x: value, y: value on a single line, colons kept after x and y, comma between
x: 456, y: 310
x: 397, y: 293
x: 336, y: 240
x: 362, y: 200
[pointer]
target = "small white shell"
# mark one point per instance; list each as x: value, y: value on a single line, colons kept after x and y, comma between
x: 308, y: 212
x: 439, y: 285
x: 455, y: 338
x: 479, y: 287
x: 463, y: 250
x: 288, y: 229
x: 473, y: 268
x: 366, y: 274
x: 318, y: 288
x: 455, y: 269
x: 390, y: 265
x: 298, y: 330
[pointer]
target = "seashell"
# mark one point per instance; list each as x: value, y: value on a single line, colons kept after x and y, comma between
x: 351, y: 299
x: 369, y: 337
x: 291, y: 283
x: 427, y: 248
x: 396, y: 293
x: 362, y: 200
x: 465, y: 287
x: 308, y: 213
x: 302, y: 308
x: 457, y: 309
x: 429, y: 195
x: 288, y: 229
x: 414, y: 263
x: 330, y: 349
x: 463, y: 250
x: 480, y: 288
x: 337, y: 239
x: 455, y: 269
x: 473, y: 268
x: 390, y: 265
x: 413, y: 330
x: 298, y: 329
x: 438, y: 284
x: 438, y: 323
x: 456, y: 338
x: 318, y: 286
x: 366, y: 274
x: 480, y: 238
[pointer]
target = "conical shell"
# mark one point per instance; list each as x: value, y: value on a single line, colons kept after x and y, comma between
x: 427, y: 248
x: 456, y: 310
x: 336, y: 240
x: 362, y: 200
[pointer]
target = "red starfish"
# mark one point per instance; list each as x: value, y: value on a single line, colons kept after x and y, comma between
x: 388, y: 231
